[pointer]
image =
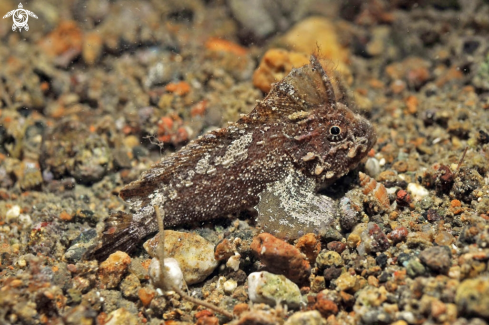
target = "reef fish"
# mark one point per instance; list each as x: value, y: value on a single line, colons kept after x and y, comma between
x: 299, y: 139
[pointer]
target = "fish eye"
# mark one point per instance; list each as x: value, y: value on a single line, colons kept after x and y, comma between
x: 335, y: 130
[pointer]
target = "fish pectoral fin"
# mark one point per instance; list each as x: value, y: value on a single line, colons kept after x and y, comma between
x: 121, y: 233
x: 290, y: 208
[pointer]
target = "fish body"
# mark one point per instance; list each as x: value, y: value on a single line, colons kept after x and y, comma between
x: 297, y: 140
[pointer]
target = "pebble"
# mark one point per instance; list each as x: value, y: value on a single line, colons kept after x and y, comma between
x: 417, y: 190
x: 13, y: 213
x: 317, y: 32
x: 280, y: 257
x: 438, y: 258
x: 194, y: 254
x: 312, y: 317
x: 112, y: 269
x: 229, y: 286
x: 325, y: 305
x: 224, y: 250
x: 275, y: 65
x: 472, y: 297
x: 328, y: 259
x: 398, y: 235
x: 139, y: 267
x: 146, y: 295
x: 233, y: 262
x: 346, y: 281
x: 415, y: 268
x: 309, y: 245
x: 336, y: 246
x: 121, y: 316
x: 332, y: 273
x: 268, y: 288
x: 372, y: 167
x: 373, y: 240
x: 173, y: 277
x: 349, y: 216
x: 130, y: 286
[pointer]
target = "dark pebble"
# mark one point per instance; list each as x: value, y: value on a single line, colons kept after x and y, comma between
x: 332, y: 273
x: 438, y: 259
x: 381, y: 260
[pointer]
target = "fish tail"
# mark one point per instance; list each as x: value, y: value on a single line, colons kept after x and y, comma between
x: 121, y: 233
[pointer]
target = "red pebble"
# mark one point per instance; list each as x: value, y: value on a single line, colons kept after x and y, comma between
x: 336, y: 246
x: 325, y: 305
x: 403, y: 198
x: 398, y: 235
x: 280, y: 257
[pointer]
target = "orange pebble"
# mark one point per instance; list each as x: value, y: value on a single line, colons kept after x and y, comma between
x: 146, y: 296
x: 179, y: 88
x: 218, y: 44
x: 412, y: 104
x: 65, y: 216
x: 455, y: 203
x: 199, y: 109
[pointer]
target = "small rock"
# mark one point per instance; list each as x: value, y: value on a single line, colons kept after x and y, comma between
x: 398, y: 235
x: 372, y: 167
x: 194, y: 254
x: 233, y: 262
x: 346, y: 281
x: 265, y: 287
x: 92, y: 47
x: 438, y: 258
x: 139, y: 267
x: 229, y: 286
x: 336, y: 246
x: 317, y: 32
x: 332, y: 273
x: 381, y: 260
x: 325, y: 305
x: 173, y: 276
x: 13, y: 213
x: 327, y: 259
x: 224, y: 250
x: 113, y: 268
x: 373, y: 240
x: 130, y: 286
x: 414, y: 268
x: 417, y: 190
x: 121, y: 316
x: 472, y: 297
x: 309, y: 245
x: 403, y: 198
x: 146, y: 295
x: 318, y: 283
x: 312, y: 317
x: 275, y: 65
x: 349, y: 216
x: 281, y: 258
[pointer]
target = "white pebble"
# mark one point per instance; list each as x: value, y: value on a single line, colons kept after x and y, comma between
x: 25, y: 220
x: 174, y: 274
x: 272, y: 289
x: 229, y: 286
x: 417, y: 191
x: 233, y: 262
x: 372, y: 167
x: 13, y: 213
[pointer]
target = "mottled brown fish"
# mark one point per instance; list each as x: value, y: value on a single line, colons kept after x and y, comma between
x: 297, y: 140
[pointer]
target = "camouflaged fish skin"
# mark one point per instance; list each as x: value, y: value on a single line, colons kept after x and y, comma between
x: 298, y: 136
